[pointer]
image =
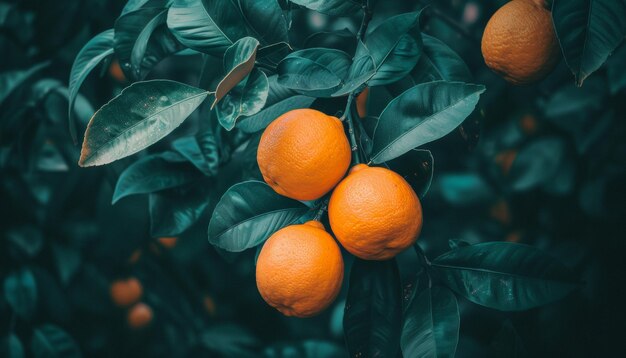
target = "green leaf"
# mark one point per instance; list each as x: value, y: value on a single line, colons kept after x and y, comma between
x: 507, y: 342
x: 416, y: 167
x: 133, y: 5
x: 265, y: 21
x: 51, y: 341
x: 343, y: 39
x: 248, y: 213
x: 20, y: 291
x: 439, y: 62
x: 421, y: 115
x: 10, y: 81
x: 361, y: 70
x: 259, y: 121
x: 153, y: 173
x: 332, y: 7
x: 305, y: 349
x: 504, y: 276
x: 132, y: 34
x: 68, y: 260
x: 140, y: 116
x: 316, y: 72
x: 373, y: 314
x: 174, y: 210
x: 588, y: 31
x: 395, y: 47
x: 189, y: 148
x: 617, y: 77
x: 238, y: 63
x: 206, y: 26
x: 538, y: 163
x: 245, y: 99
x: 11, y: 347
x: 96, y: 50
x: 431, y: 323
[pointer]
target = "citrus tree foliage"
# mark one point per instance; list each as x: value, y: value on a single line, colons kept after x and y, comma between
x: 252, y: 66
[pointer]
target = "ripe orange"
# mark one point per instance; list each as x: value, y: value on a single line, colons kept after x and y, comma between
x: 115, y: 71
x: 126, y: 292
x: 303, y: 154
x: 168, y: 242
x: 140, y: 315
x: 520, y: 43
x: 505, y: 160
x: 300, y: 270
x: 361, y: 102
x: 375, y: 213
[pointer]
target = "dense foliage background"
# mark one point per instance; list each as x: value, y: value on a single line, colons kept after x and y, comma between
x: 542, y: 165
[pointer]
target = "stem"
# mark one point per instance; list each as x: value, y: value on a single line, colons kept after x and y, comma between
x: 347, y: 113
x: 322, y: 209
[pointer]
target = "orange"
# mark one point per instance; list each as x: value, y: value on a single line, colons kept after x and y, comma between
x: 140, y: 315
x: 374, y: 213
x: 303, y: 154
x: 168, y: 242
x: 134, y: 257
x: 361, y: 102
x: 209, y: 305
x: 115, y: 71
x: 126, y: 292
x: 520, y: 43
x: 505, y: 160
x: 300, y: 270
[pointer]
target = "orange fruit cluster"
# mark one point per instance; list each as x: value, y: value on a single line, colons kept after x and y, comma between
x: 127, y: 293
x: 374, y: 213
x: 519, y: 42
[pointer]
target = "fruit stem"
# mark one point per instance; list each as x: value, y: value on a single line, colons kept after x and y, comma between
x: 321, y: 210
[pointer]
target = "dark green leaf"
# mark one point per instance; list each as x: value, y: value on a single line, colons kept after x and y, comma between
x: 189, y: 147
x: 132, y: 35
x: 361, y: 70
x: 305, y: 349
x: 245, y: 99
x: 421, y: 115
x: 259, y: 121
x: 431, y: 323
x: 504, y: 276
x: 617, y: 77
x: 11, y: 347
x: 332, y: 7
x: 373, y: 314
x: 206, y: 26
x: 68, y: 260
x: 51, y: 341
x: 317, y: 72
x: 20, y: 291
x: 416, y: 167
x: 395, y: 47
x: 140, y: 116
x: 343, y: 39
x: 133, y: 5
x: 589, y: 31
x: 465, y: 189
x: 238, y: 63
x: 10, y: 81
x: 439, y: 62
x: 97, y: 49
x: 248, y: 214
x: 28, y: 240
x: 539, y: 162
x: 174, y: 210
x: 229, y: 340
x: 265, y: 21
x: 153, y: 173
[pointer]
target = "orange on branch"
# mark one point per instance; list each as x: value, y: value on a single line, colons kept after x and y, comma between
x: 300, y: 270
x: 303, y: 154
x: 374, y: 213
